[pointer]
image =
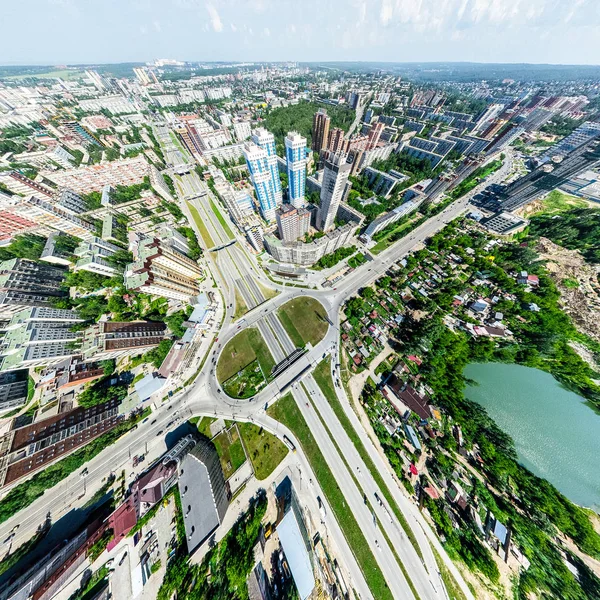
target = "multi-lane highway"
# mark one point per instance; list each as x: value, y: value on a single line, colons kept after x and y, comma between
x: 239, y: 278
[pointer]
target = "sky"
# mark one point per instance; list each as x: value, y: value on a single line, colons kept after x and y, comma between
x: 105, y: 31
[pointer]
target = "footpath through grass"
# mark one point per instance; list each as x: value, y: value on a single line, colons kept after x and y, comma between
x: 263, y: 448
x: 286, y: 411
x: 208, y: 241
x: 304, y: 320
x: 322, y: 375
x: 239, y: 352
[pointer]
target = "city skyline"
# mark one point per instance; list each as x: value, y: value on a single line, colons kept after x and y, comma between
x: 390, y: 30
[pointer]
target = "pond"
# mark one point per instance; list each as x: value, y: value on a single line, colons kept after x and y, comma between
x: 556, y: 433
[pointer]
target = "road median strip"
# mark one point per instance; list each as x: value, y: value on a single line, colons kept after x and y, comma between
x: 287, y: 412
x: 322, y: 376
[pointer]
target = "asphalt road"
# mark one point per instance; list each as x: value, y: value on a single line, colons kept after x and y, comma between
x: 205, y: 397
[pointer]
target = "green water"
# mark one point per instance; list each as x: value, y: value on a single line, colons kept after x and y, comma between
x: 556, y: 434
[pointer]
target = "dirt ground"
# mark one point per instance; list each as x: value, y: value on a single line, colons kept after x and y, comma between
x: 578, y: 285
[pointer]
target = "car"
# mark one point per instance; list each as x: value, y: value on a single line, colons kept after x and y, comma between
x: 153, y: 422
x: 159, y: 433
x: 218, y: 391
x: 169, y: 407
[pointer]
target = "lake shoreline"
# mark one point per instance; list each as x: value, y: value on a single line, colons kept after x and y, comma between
x: 549, y: 424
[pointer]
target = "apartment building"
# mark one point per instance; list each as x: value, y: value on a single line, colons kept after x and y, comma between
x: 28, y: 449
x: 25, y: 283
x: 242, y: 130
x: 13, y: 389
x: 320, y: 130
x: 46, y: 214
x: 12, y: 225
x: 335, y: 176
x: 161, y: 270
x: 93, y: 178
x: 261, y: 176
x: 93, y: 256
x: 38, y: 336
x: 299, y: 253
x: 23, y: 186
x: 292, y: 222
x: 113, y: 339
x: 295, y: 155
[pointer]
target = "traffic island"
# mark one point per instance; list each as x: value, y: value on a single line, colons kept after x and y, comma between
x: 245, y: 364
x: 305, y: 320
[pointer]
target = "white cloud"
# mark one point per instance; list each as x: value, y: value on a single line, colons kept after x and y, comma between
x: 215, y: 19
x: 267, y: 32
x: 385, y: 14
x: 157, y: 26
x: 233, y: 27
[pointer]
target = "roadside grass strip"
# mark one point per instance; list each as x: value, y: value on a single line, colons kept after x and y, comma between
x: 304, y: 320
x: 286, y: 411
x: 322, y: 375
x: 206, y: 238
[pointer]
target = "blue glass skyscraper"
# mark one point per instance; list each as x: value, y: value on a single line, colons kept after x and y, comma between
x: 295, y: 155
x: 262, y: 179
x: 266, y: 140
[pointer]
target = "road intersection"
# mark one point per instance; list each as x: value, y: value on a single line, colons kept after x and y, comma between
x: 237, y: 275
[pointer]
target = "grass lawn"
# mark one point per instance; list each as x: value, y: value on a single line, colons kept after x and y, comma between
x: 557, y: 202
x: 221, y: 220
x: 240, y: 306
x: 67, y: 74
x: 268, y: 293
x: 286, y: 411
x: 230, y: 450
x: 204, y: 426
x: 245, y: 383
x: 304, y: 320
x: 263, y: 448
x: 208, y: 241
x: 245, y: 347
x: 322, y: 375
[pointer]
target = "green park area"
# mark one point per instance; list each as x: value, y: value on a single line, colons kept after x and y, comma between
x: 245, y: 364
x: 304, y: 320
x: 557, y: 202
x: 263, y: 449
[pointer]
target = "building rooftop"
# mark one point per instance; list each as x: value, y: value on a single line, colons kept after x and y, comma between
x: 296, y: 554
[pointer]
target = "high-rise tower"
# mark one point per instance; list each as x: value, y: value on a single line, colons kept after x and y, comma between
x: 335, y: 176
x: 266, y: 140
x: 295, y: 155
x: 260, y: 174
x: 320, y: 130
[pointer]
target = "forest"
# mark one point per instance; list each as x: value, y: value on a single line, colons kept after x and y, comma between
x: 299, y: 117
x: 576, y: 229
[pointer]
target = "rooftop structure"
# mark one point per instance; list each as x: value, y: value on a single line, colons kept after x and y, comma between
x: 203, y: 493
x: 25, y: 283
x: 114, y: 339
